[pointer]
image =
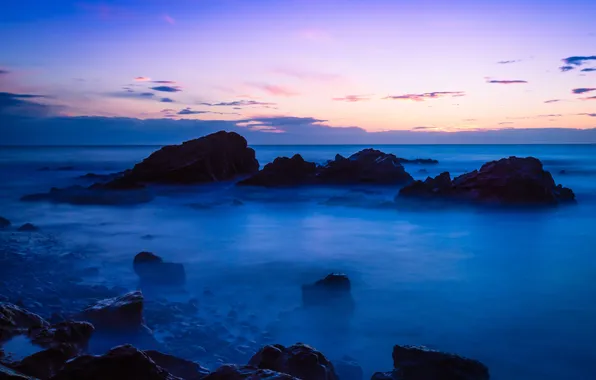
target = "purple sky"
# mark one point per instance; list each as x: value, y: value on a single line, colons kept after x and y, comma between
x: 379, y: 65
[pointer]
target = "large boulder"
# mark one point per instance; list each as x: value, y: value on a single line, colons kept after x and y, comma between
x: 421, y: 363
x: 119, y: 313
x: 233, y: 372
x: 299, y: 360
x: 120, y: 363
x: 369, y: 166
x: 333, y: 291
x: 216, y: 157
x: 513, y: 180
x: 47, y: 363
x: 74, y: 333
x: 284, y: 171
x: 4, y: 222
x: 182, y: 368
x: 152, y: 270
x: 28, y: 227
x: 15, y: 320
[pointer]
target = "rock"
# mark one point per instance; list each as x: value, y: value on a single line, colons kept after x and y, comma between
x: 348, y: 369
x: 14, y: 318
x: 233, y: 372
x: 513, y: 180
x: 332, y: 291
x: 4, y: 222
x: 152, y: 270
x: 178, y: 367
x: 421, y: 363
x: 76, y: 334
x: 119, y: 313
x: 119, y: 363
x: 45, y: 364
x: 369, y: 166
x: 10, y: 374
x: 299, y: 360
x: 216, y: 157
x: 284, y: 171
x: 96, y: 194
x: 28, y: 227
x: 421, y: 161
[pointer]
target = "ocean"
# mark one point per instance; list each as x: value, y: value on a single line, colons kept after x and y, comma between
x: 514, y: 289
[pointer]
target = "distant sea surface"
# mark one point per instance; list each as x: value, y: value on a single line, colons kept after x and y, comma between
x: 513, y: 289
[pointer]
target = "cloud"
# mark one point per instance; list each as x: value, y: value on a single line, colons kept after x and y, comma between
x: 505, y: 122
x: 552, y: 101
x: 166, y: 100
x: 188, y: 111
x: 169, y: 19
x: 167, y: 110
x: 274, y: 90
x: 423, y: 128
x: 166, y: 89
x: 587, y: 114
x: 142, y: 79
x: 427, y: 95
x: 24, y: 105
x: 507, y: 81
x: 352, y: 98
x: 506, y: 62
x: 3, y: 72
x: 164, y: 81
x: 131, y: 94
x: 578, y: 60
x: 238, y: 103
x: 566, y: 68
x: 589, y: 98
x: 582, y: 90
x: 588, y: 69
x: 308, y: 75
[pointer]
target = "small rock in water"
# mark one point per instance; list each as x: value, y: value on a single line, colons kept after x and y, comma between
x: 124, y: 312
x: 28, y: 227
x: 331, y: 291
x: 152, y: 270
x: 4, y: 222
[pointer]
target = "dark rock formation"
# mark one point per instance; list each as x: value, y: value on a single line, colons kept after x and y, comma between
x: 28, y: 227
x: 284, y: 171
x: 45, y: 364
x: 367, y: 166
x: 178, y: 367
x: 299, y: 360
x: 97, y: 194
x: 4, y: 222
x: 216, y: 157
x: 15, y: 320
x: 120, y: 363
x: 421, y: 161
x: 152, y: 270
x: 119, y: 313
x: 233, y: 372
x: 332, y: 291
x: 76, y: 334
x: 510, y: 180
x: 10, y: 374
x: 420, y: 363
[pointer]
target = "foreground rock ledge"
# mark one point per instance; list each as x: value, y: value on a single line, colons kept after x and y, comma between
x: 513, y: 180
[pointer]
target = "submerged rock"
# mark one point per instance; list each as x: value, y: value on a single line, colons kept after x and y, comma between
x: 4, y: 222
x: 333, y: 291
x: 284, y: 171
x: 93, y: 195
x: 233, y: 372
x: 28, y: 227
x: 510, y: 180
x: 216, y: 157
x: 152, y: 270
x: 421, y: 363
x: 299, y: 360
x: 120, y: 363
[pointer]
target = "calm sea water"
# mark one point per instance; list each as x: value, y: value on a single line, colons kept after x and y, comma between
x: 514, y: 289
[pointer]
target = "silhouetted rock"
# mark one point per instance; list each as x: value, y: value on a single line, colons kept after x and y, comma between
x: 284, y: 171
x: 28, y: 227
x: 421, y: 161
x: 216, y: 157
x: 510, y: 180
x: 332, y: 291
x: 97, y: 194
x: 15, y: 317
x: 185, y: 369
x: 45, y: 364
x: 10, y: 374
x: 367, y: 166
x: 233, y: 372
x: 299, y: 360
x: 120, y: 363
x: 74, y: 333
x: 4, y: 222
x: 152, y: 270
x: 348, y: 369
x: 421, y: 363
x: 119, y: 313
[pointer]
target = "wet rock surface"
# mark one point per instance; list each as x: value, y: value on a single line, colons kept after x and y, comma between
x: 333, y: 291
x: 513, y: 181
x: 284, y: 171
x: 219, y: 156
x: 153, y: 271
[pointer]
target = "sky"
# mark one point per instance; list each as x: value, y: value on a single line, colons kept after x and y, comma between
x: 319, y: 69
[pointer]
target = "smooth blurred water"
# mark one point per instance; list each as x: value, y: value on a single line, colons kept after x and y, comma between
x: 514, y: 289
